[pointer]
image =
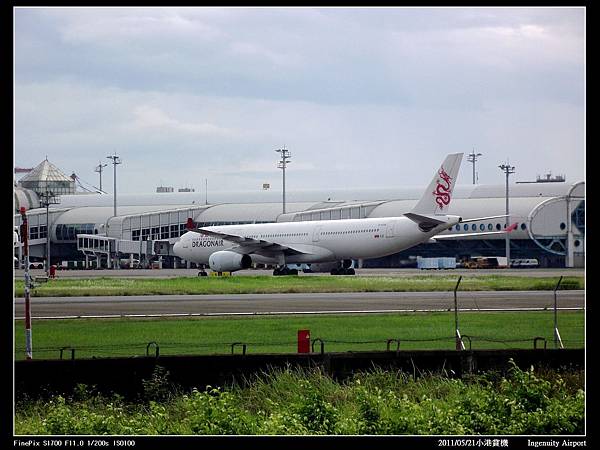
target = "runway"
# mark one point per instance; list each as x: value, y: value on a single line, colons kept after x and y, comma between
x: 312, y: 303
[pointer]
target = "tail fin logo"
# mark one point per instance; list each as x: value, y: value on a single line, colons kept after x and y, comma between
x: 442, y: 196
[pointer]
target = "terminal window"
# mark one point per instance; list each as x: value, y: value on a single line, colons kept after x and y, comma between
x: 164, y: 232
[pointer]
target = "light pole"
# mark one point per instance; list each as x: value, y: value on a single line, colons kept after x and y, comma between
x: 47, y: 200
x: 285, y: 156
x: 99, y: 169
x: 115, y: 160
x: 507, y: 169
x: 472, y: 157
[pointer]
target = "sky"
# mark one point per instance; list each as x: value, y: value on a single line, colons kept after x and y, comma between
x: 361, y: 97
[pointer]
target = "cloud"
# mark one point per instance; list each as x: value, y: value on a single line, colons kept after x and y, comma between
x: 361, y: 96
x: 342, y: 56
x: 148, y: 117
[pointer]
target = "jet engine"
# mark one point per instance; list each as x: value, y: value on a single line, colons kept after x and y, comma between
x: 226, y: 261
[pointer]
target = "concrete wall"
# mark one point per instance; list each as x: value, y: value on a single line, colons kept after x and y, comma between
x: 125, y: 375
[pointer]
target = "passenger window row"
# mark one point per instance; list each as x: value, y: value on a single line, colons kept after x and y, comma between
x: 482, y: 227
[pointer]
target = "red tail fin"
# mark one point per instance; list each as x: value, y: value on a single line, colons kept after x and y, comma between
x: 190, y: 224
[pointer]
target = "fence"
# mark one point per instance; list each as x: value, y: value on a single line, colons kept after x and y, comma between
x: 318, y: 345
x: 502, y: 334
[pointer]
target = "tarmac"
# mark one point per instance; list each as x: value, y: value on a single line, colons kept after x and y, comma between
x: 172, y: 273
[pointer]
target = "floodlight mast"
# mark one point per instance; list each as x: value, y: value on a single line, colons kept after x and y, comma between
x: 507, y: 169
x: 282, y: 164
x: 115, y: 160
x: 99, y: 169
x: 472, y: 158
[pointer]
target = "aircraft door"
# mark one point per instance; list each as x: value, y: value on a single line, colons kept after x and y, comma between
x: 397, y: 230
x: 389, y: 229
x: 317, y: 234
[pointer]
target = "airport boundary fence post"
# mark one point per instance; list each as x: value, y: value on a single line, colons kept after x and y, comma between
x: 322, y: 345
x: 235, y: 344
x: 538, y: 339
x: 156, y: 348
x: 557, y: 340
x: 459, y: 343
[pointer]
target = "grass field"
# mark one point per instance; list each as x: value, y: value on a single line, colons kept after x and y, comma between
x: 289, y: 284
x: 127, y: 337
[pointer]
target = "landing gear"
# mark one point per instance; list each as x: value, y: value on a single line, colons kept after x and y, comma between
x: 202, y: 273
x: 344, y: 268
x: 285, y: 271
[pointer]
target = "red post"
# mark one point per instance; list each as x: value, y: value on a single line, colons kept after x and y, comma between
x: 24, y: 237
x: 303, y: 341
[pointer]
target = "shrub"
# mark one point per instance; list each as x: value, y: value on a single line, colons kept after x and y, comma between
x: 216, y: 412
x: 311, y: 403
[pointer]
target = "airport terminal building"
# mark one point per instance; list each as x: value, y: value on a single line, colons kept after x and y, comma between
x: 83, y: 227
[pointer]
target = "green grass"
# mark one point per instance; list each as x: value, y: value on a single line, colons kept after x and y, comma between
x: 127, y: 337
x: 289, y: 284
x: 291, y: 402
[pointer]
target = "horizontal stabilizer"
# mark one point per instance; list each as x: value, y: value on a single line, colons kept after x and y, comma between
x: 426, y: 222
x: 422, y: 218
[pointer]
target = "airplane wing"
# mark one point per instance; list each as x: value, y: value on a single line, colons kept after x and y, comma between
x: 250, y: 245
x: 447, y: 237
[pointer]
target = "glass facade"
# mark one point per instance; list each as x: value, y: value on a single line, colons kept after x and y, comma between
x: 69, y: 232
x: 155, y: 233
x: 173, y: 231
x: 578, y: 217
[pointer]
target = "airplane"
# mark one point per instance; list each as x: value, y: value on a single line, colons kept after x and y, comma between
x: 229, y: 248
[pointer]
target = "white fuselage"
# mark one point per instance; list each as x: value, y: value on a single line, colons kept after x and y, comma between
x: 319, y: 241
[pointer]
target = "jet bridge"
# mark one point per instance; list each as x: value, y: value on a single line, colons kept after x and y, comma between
x: 110, y: 248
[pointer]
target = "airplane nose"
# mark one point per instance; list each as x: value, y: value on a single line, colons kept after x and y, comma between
x: 176, y: 247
